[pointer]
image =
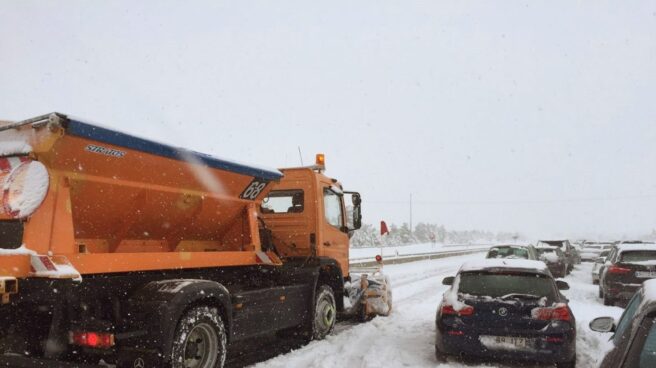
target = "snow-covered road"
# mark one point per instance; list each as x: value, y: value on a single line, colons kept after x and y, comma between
x: 405, y: 339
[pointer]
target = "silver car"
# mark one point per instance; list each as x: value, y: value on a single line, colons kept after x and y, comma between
x: 598, y: 263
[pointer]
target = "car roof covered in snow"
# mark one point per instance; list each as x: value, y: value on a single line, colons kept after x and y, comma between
x: 633, y: 247
x: 510, y: 246
x: 649, y: 291
x: 505, y: 264
x: 544, y: 246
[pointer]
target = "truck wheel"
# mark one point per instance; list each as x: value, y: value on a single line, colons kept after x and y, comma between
x: 325, y: 313
x: 200, y: 340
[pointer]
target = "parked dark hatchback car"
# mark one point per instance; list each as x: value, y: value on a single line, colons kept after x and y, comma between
x: 626, y: 268
x: 570, y: 253
x: 512, y: 251
x: 554, y: 258
x: 506, y: 310
x: 634, y: 341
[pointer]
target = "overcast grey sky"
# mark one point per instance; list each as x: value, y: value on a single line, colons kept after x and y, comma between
x: 535, y: 116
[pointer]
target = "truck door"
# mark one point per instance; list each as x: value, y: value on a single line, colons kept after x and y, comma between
x: 334, y: 241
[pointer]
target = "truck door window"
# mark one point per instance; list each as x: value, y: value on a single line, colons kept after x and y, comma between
x: 332, y: 205
x: 284, y: 201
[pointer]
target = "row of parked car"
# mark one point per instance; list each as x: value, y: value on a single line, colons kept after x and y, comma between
x: 510, y: 306
x: 560, y: 256
x: 620, y: 268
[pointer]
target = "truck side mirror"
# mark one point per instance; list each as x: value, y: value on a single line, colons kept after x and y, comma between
x: 357, y: 210
x: 448, y: 280
x: 562, y: 285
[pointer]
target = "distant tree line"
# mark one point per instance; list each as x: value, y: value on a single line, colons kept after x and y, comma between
x: 369, y: 235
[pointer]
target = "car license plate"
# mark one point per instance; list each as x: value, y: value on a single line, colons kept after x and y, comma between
x: 646, y: 274
x: 506, y: 342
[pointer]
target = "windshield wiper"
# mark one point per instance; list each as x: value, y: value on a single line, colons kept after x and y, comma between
x: 520, y: 295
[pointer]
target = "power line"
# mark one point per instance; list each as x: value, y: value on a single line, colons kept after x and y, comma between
x: 539, y: 201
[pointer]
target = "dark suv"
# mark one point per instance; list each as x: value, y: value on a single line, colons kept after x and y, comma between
x: 634, y: 342
x: 626, y: 268
x: 506, y: 309
x: 567, y: 248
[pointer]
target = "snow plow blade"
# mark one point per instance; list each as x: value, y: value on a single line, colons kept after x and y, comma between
x: 369, y: 294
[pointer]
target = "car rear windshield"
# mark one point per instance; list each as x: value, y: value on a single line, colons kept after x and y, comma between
x: 502, y: 284
x: 508, y: 252
x: 638, y: 256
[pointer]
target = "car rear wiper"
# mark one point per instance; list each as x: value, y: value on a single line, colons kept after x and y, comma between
x: 520, y: 295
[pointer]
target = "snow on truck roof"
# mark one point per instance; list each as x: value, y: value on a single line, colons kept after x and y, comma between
x: 92, y: 131
x: 517, y: 264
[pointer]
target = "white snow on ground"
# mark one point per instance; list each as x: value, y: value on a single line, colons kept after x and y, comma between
x: 403, y: 250
x: 406, y: 337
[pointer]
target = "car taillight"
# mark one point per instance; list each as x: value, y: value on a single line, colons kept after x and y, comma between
x: 466, y: 311
x: 558, y: 313
x: 24, y: 185
x: 618, y: 270
x: 96, y: 340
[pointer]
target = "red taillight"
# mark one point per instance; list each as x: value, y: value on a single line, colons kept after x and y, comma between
x: 466, y: 311
x: 557, y: 313
x: 96, y: 340
x: 456, y: 333
x: 618, y: 270
x: 554, y: 339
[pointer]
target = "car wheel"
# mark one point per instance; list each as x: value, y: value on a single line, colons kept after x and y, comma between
x: 200, y: 340
x: 595, y: 282
x: 440, y: 356
x: 609, y: 301
x: 566, y: 365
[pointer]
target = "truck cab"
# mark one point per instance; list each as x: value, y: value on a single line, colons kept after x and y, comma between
x: 309, y: 214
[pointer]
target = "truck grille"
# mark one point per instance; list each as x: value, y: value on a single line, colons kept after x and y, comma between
x: 11, y: 234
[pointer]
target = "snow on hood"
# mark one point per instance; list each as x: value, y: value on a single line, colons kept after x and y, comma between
x: 549, y: 257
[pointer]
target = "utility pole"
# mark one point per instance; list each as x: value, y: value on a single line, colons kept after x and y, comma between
x: 411, y: 228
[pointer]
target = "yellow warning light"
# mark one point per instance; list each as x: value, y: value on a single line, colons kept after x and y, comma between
x: 321, y: 160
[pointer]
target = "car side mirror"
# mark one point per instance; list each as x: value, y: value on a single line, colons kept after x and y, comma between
x: 562, y: 285
x: 448, y: 280
x: 603, y: 324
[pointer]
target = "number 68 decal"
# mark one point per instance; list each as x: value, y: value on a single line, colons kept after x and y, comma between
x: 254, y: 189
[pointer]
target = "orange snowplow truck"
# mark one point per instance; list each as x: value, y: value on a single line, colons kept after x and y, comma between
x: 119, y: 248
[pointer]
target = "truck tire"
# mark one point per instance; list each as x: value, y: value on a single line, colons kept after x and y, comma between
x: 200, y: 340
x: 325, y: 313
